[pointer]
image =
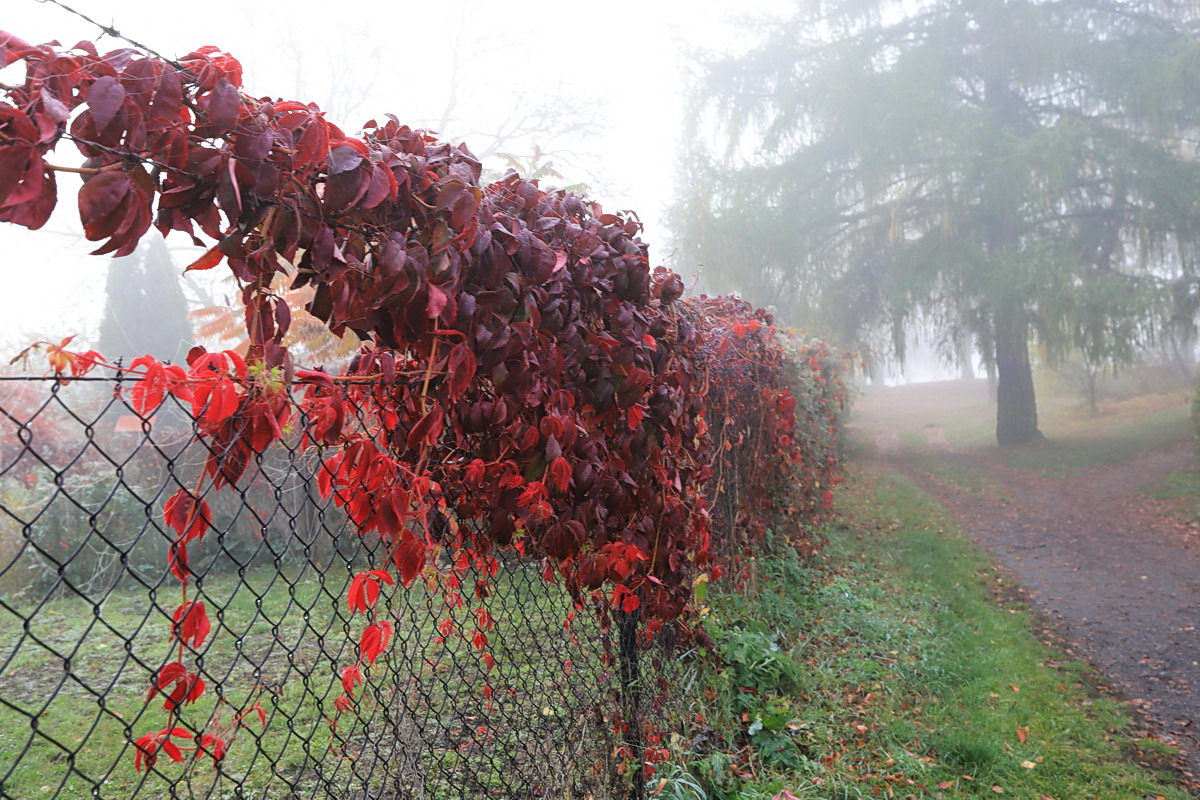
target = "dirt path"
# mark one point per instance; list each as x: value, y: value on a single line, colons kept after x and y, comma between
x: 1119, y: 577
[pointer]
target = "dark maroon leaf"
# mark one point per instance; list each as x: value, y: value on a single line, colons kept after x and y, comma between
x: 168, y: 95
x: 105, y: 98
x: 343, y: 158
x: 461, y: 366
x: 54, y: 108
x: 427, y: 430
x: 100, y: 199
x: 224, y: 107
x: 344, y: 189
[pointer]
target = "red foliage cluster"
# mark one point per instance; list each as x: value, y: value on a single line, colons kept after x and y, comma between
x: 821, y: 403
x: 515, y: 326
x: 529, y: 375
x: 773, y: 411
x: 529, y: 382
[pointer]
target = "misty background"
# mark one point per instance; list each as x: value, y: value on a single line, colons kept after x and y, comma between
x: 711, y: 123
x: 584, y: 97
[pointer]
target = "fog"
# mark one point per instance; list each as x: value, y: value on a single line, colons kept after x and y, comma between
x: 590, y: 95
x: 731, y: 188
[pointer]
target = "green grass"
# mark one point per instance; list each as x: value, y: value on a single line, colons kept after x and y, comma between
x: 283, y: 637
x: 97, y: 712
x: 964, y: 476
x: 1110, y: 442
x: 901, y: 667
x: 923, y: 419
x: 1182, y: 490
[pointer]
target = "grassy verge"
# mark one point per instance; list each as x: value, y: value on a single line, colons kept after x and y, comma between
x: 1182, y: 491
x: 922, y: 420
x: 890, y: 670
x: 1118, y: 438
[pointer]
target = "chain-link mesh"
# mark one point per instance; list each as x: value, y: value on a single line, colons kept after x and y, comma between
x: 86, y: 601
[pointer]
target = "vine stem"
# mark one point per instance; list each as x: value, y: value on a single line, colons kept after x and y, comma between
x: 428, y: 374
x: 76, y: 170
x: 425, y: 402
x: 174, y: 712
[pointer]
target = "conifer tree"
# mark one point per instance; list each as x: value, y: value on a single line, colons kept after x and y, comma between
x: 1016, y: 171
x: 145, y: 312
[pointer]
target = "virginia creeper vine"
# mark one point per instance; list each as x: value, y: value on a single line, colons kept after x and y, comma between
x: 528, y: 381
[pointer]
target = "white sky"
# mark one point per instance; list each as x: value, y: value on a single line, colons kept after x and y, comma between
x: 623, y: 56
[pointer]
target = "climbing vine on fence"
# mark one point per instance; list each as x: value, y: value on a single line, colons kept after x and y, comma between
x: 773, y: 408
x: 527, y: 382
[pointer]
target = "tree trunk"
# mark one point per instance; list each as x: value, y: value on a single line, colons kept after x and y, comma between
x: 1001, y: 193
x: 1016, y: 406
x: 1181, y: 343
x: 964, y: 353
x: 1092, y: 374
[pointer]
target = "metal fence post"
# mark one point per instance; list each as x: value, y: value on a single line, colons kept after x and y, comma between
x: 631, y: 691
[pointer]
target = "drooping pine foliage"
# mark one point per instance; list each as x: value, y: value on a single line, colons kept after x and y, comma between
x: 1005, y: 169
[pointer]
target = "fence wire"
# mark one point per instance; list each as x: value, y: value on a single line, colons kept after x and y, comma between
x: 86, y: 601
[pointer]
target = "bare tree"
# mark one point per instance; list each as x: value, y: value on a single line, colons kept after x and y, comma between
x: 540, y: 132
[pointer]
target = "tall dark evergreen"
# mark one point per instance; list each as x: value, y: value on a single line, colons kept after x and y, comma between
x: 1017, y: 172
x: 145, y: 311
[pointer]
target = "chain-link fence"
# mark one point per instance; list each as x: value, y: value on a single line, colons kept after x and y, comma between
x: 86, y: 605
